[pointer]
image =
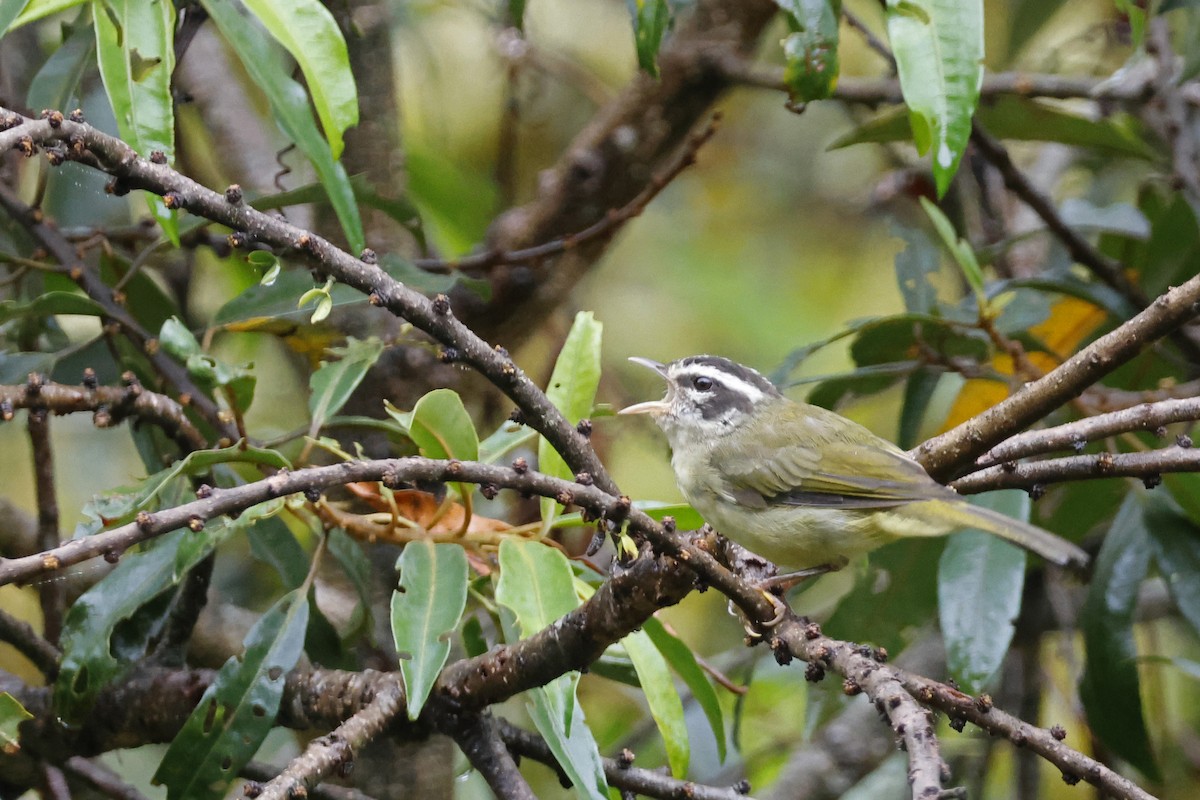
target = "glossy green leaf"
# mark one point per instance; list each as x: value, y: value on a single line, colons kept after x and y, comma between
x: 960, y: 249
x: 658, y: 687
x: 309, y: 32
x: 537, y: 587
x: 650, y: 21
x: 1176, y: 543
x: 1020, y: 119
x: 918, y: 391
x: 572, y: 390
x: 915, y: 265
x: 135, y: 41
x: 88, y: 662
x: 426, y: 608
x: 333, y: 383
x: 811, y: 50
x: 12, y: 714
x: 199, y: 544
x: 289, y: 105
x: 938, y: 46
x: 1110, y: 688
x: 980, y: 580
x: 238, y: 709
x: 683, y: 661
x: 175, y: 338
x: 474, y: 641
x: 56, y: 84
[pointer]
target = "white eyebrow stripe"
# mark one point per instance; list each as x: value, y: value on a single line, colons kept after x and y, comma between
x: 752, y: 392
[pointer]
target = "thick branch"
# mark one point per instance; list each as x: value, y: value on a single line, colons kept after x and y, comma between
x: 944, y: 454
x: 52, y: 594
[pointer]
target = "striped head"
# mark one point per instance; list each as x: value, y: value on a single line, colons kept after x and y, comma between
x: 706, y: 395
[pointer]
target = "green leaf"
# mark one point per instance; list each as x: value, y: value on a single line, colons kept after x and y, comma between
x: 572, y: 390
x: 177, y: 340
x: 440, y: 426
x: 650, y: 21
x: 10, y: 10
x: 960, y: 249
x: 333, y: 383
x: 538, y: 587
x: 980, y: 580
x: 915, y: 265
x: 1110, y: 688
x: 458, y: 204
x: 508, y: 437
x: 426, y: 608
x: 686, y: 518
x: 309, y: 32
x: 56, y: 84
x: 259, y: 304
x: 238, y: 709
x: 811, y: 50
x: 290, y: 107
x: 659, y: 691
x: 938, y: 46
x: 568, y: 736
x: 683, y: 661
x: 135, y: 41
x: 918, y: 391
x: 272, y: 542
x: 40, y: 9
x: 357, y: 567
x: 1176, y: 544
x: 50, y: 304
x: 12, y: 714
x: 1021, y: 119
x: 88, y: 662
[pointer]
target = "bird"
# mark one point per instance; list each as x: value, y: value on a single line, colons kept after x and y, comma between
x: 803, y: 486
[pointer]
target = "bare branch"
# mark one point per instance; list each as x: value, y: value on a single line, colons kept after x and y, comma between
x: 51, y: 594
x: 21, y: 635
x: 325, y: 754
x: 111, y: 405
x: 1145, y: 417
x: 1149, y: 467
x: 479, y: 738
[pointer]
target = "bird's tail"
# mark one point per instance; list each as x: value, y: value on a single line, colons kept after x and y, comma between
x: 1045, y: 544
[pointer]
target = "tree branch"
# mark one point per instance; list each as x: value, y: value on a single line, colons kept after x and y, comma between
x: 1149, y: 467
x: 479, y: 738
x: 943, y: 455
x: 1145, y: 417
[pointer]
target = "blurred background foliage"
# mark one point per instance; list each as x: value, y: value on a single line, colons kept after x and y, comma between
x: 771, y: 243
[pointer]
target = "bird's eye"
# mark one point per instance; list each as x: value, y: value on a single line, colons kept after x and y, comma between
x: 702, y: 383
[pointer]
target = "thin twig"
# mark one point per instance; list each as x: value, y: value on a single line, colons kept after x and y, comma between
x: 87, y: 278
x: 52, y: 594
x: 21, y: 635
x: 101, y: 778
x: 1148, y: 467
x: 1145, y: 417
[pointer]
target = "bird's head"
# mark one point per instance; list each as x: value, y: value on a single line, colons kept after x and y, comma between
x: 706, y: 395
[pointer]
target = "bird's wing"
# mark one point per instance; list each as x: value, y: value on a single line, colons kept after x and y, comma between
x: 838, y: 474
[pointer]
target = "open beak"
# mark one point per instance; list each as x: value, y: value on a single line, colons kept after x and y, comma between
x: 652, y: 407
